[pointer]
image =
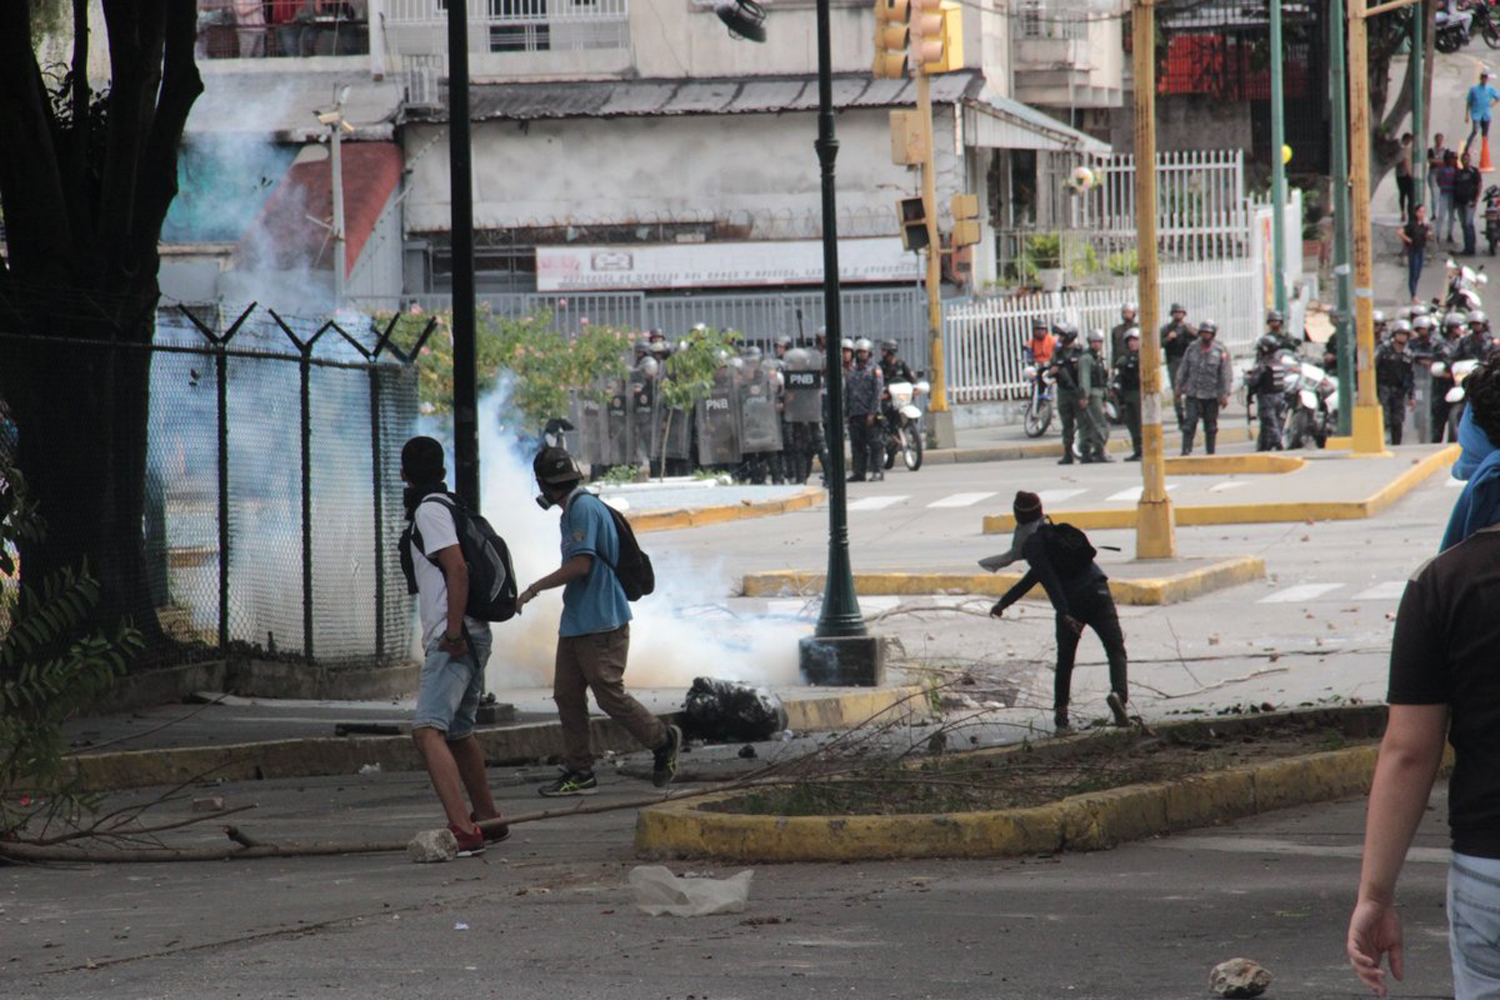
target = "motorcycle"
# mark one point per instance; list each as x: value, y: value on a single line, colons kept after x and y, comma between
x: 1039, y: 405
x: 1452, y: 31
x: 1459, y: 370
x: 1492, y: 217
x: 1314, y: 407
x: 1462, y: 290
x: 1486, y: 23
x: 904, y: 431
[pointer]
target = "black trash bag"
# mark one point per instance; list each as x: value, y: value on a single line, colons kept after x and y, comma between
x: 731, y: 712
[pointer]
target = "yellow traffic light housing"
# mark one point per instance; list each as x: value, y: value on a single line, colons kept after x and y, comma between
x: 938, y: 36
x: 913, y: 216
x: 891, y: 39
x: 965, y: 209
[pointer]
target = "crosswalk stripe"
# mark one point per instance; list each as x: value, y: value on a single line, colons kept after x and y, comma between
x: 1232, y: 484
x: 961, y: 500
x: 1390, y: 590
x: 1058, y: 496
x: 1133, y: 493
x: 1300, y: 592
x: 875, y: 503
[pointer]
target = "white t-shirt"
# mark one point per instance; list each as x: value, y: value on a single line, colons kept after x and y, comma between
x: 434, y: 522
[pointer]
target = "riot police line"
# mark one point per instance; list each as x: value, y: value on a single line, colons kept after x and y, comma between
x: 761, y: 420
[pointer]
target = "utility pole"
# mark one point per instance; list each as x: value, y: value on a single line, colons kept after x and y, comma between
x: 461, y: 199
x: 939, y: 417
x: 1278, y: 168
x: 1368, y: 425
x: 1338, y: 87
x: 1155, y: 524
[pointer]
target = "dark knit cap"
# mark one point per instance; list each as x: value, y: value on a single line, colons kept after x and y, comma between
x: 422, y: 459
x: 1027, y: 508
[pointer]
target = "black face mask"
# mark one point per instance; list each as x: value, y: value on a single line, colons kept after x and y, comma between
x: 543, y: 502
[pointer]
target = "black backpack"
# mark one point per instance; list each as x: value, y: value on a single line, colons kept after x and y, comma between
x: 492, y: 578
x: 1069, y: 549
x: 633, y: 568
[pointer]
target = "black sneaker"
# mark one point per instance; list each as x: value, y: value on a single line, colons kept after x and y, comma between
x: 1061, y: 726
x: 571, y: 783
x: 1065, y: 460
x: 1117, y: 708
x: 664, y: 766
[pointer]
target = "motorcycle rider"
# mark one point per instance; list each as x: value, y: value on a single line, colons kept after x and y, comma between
x: 1042, y: 343
x: 862, y: 389
x: 1477, y: 343
x: 1276, y: 328
x: 1204, y: 378
x: 1070, y: 400
x: 1176, y: 337
x: 1127, y: 383
x: 1121, y: 331
x: 892, y: 369
x: 1263, y: 385
x: 1093, y: 379
x: 1393, y: 380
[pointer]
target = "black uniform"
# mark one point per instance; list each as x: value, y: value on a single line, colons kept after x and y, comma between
x: 1263, y: 386
x: 1445, y: 351
x: 1394, y: 386
x: 890, y: 371
x: 1176, y: 338
x: 1065, y: 369
x: 1127, y: 383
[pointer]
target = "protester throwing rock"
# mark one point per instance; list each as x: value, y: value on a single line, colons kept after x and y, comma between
x: 1062, y: 561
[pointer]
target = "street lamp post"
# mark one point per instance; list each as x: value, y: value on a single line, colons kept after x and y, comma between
x: 840, y: 651
x: 461, y: 197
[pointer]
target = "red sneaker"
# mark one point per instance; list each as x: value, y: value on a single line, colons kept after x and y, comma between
x: 492, y: 834
x: 470, y: 842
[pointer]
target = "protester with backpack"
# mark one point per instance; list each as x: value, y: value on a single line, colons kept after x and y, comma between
x: 602, y: 568
x: 456, y: 644
x: 1062, y: 561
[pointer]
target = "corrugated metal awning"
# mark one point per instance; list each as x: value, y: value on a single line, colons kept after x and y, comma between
x: 1000, y: 123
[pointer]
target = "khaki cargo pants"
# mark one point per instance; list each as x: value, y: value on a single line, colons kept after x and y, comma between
x: 596, y: 663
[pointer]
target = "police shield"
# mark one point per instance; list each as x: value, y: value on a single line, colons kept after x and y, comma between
x: 718, y: 419
x: 587, y: 416
x: 1421, y: 416
x: 760, y: 424
x: 617, y: 447
x: 804, y: 386
x: 645, y: 415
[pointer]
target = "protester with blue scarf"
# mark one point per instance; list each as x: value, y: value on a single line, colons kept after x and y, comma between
x: 1478, y: 505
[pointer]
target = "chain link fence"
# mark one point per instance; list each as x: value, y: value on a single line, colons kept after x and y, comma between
x: 273, y: 493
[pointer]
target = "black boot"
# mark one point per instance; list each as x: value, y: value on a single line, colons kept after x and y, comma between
x: 1208, y: 441
x: 1067, y: 458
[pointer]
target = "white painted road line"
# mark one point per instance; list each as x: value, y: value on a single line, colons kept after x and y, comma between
x: 1300, y: 592
x: 1391, y: 590
x: 1232, y: 484
x: 875, y: 503
x: 1133, y: 494
x: 961, y: 500
x: 1058, y: 496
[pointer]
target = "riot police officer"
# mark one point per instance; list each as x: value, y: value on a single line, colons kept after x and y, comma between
x: 1069, y: 399
x: 1393, y: 379
x: 1276, y: 328
x: 1127, y: 383
x: 1445, y: 351
x: 862, y: 389
x: 760, y: 425
x: 643, y: 380
x: 1093, y: 379
x: 802, y: 408
x: 1176, y: 337
x: 1477, y: 342
x: 1263, y: 385
x: 1117, y: 349
x: 892, y: 369
x: 1423, y: 350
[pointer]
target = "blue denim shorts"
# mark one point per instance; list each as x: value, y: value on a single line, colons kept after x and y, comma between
x: 450, y: 688
x: 1474, y: 926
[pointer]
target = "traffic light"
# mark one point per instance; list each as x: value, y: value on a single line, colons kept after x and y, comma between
x: 937, y: 30
x: 965, y: 208
x: 891, y: 38
x: 913, y: 216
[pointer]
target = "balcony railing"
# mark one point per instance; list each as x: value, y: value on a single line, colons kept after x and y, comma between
x: 1059, y: 19
x: 483, y: 13
x: 251, y: 29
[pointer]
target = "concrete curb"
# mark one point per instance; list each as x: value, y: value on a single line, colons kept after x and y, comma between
x: 1088, y: 822
x: 1257, y: 513
x: 509, y: 745
x: 1118, y: 445
x: 696, y: 517
x: 1255, y: 463
x: 1170, y: 589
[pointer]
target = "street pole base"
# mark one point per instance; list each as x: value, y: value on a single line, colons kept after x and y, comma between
x: 940, y: 432
x: 842, y: 661
x: 1369, y: 431
x: 1155, y: 530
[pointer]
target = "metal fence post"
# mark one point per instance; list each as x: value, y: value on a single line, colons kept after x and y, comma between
x: 377, y: 482
x: 305, y: 370
x: 221, y: 377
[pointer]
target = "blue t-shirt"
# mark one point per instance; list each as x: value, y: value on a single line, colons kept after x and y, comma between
x: 596, y: 602
x: 1480, y: 96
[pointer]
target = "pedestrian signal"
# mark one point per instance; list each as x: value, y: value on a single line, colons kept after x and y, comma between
x: 913, y: 216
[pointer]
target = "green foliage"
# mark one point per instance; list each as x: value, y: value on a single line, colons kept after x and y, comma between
x: 690, y: 371
x: 546, y: 364
x: 1123, y: 263
x: 52, y: 663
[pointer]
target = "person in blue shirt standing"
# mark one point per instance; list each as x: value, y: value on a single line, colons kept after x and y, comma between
x: 593, y: 638
x: 1477, y: 108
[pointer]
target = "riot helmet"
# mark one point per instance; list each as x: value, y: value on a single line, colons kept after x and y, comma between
x: 1274, y: 316
x: 1208, y: 326
x: 1401, y: 326
x: 1177, y: 307
x: 1266, y: 346
x: 889, y: 347
x: 863, y: 346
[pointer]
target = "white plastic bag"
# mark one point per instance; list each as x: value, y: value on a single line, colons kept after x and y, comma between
x: 658, y: 891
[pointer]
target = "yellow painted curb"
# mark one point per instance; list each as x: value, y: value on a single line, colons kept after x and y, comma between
x: 323, y: 756
x: 1255, y: 463
x: 1092, y: 821
x: 1170, y: 589
x: 1256, y: 513
x: 697, y: 517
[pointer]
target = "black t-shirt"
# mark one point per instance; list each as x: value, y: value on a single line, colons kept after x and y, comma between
x: 1417, y: 233
x: 1445, y: 652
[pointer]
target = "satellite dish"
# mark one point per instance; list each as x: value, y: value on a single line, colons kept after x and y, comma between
x: 743, y: 18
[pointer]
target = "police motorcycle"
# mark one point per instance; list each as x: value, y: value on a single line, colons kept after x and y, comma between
x: 1462, y: 290
x: 1313, y: 405
x: 905, y: 435
x: 1039, y: 404
x: 1458, y: 371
